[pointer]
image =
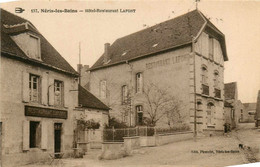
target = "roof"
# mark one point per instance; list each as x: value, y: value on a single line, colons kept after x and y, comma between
x: 167, y: 35
x: 49, y: 55
x: 230, y: 90
x: 88, y: 100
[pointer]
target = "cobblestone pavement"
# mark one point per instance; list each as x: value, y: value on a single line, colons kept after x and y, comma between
x: 205, y: 151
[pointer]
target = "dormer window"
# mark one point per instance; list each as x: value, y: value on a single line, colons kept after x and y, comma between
x: 34, y: 47
x: 29, y: 44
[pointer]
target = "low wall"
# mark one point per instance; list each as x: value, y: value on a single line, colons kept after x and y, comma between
x: 173, y: 137
x: 147, y: 141
x: 131, y: 143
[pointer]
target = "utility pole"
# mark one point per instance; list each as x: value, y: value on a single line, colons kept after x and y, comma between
x: 195, y: 104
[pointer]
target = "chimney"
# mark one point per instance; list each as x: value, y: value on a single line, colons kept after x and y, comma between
x: 106, y: 52
x: 79, y: 67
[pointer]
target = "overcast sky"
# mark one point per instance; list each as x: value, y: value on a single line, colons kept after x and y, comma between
x: 238, y: 20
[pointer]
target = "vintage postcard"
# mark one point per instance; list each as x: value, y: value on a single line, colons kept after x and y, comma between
x: 130, y: 83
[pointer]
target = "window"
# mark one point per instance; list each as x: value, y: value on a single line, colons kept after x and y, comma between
x: 211, y: 48
x: 34, y: 92
x: 139, y: 82
x: 124, y: 94
x: 232, y: 114
x: 103, y: 89
x: 205, y: 89
x: 210, y: 113
x: 35, y: 134
x: 139, y: 111
x: 216, y: 79
x: 34, y: 47
x: 204, y: 74
x: 58, y: 93
x: 217, y: 93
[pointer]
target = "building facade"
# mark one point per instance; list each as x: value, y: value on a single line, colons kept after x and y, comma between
x: 234, y: 108
x: 37, y: 95
x: 249, y: 112
x: 93, y: 110
x: 171, y: 73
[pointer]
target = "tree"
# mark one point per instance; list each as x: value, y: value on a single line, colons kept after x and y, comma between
x: 160, y: 103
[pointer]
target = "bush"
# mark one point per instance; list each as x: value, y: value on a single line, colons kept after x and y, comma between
x: 113, y: 122
x: 89, y: 124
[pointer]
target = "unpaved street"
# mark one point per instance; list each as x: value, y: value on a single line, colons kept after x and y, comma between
x: 206, y: 151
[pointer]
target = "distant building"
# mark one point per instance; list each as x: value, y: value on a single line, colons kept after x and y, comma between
x: 257, y: 115
x: 249, y: 112
x: 233, y: 107
x: 92, y: 109
x: 184, y: 56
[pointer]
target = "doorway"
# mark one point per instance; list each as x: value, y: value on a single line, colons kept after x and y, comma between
x: 57, y: 137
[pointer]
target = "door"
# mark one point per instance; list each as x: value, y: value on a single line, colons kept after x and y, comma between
x: 57, y: 137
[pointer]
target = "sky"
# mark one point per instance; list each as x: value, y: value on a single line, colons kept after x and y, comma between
x: 238, y: 20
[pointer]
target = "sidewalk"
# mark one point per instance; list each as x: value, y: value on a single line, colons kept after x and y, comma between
x: 208, y: 151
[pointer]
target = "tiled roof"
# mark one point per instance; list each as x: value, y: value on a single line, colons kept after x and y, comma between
x: 88, y: 100
x: 49, y: 55
x: 161, y: 37
x: 230, y: 90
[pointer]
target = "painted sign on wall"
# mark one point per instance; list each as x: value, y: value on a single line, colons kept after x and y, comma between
x: 45, y: 112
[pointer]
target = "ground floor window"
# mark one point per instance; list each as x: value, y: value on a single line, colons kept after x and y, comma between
x: 139, y: 111
x: 35, y: 134
x: 210, y: 113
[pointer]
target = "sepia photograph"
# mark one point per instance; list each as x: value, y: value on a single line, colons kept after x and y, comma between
x: 130, y: 83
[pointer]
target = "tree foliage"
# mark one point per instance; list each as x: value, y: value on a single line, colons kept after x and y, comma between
x: 160, y: 103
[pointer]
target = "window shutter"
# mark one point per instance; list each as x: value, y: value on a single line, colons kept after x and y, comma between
x: 44, y: 89
x: 51, y: 91
x: 44, y: 135
x: 25, y: 88
x: 26, y: 134
x: 65, y: 94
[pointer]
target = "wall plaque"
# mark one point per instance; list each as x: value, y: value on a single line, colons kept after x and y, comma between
x: 45, y: 112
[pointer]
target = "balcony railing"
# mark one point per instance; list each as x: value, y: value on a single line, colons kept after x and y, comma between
x: 205, y: 89
x: 217, y: 93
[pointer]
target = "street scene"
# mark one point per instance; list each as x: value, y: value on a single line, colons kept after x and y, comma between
x: 176, y: 154
x: 129, y: 83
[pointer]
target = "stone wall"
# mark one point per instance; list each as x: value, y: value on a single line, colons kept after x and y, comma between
x: 13, y: 112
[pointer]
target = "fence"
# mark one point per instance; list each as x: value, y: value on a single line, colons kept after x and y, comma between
x: 117, y: 135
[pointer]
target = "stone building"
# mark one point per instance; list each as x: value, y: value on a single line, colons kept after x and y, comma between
x: 182, y: 58
x: 233, y: 106
x: 249, y: 112
x: 90, y: 109
x: 37, y: 95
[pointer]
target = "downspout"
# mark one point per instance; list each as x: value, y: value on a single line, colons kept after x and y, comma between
x: 194, y: 70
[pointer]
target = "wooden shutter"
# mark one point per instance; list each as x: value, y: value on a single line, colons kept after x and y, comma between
x: 26, y: 134
x: 44, y: 135
x: 65, y: 93
x: 25, y: 91
x: 51, y: 91
x: 44, y: 89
